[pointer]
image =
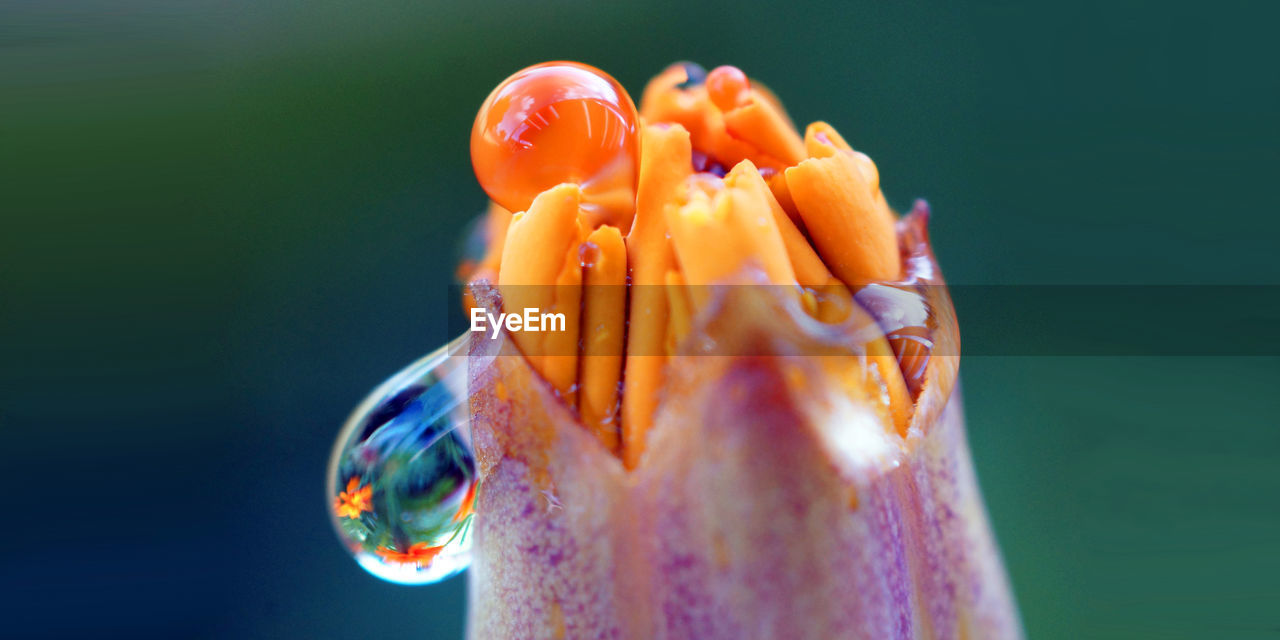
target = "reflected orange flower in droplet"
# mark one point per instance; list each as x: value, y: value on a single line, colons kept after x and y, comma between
x: 468, y: 504
x: 353, y: 501
x: 419, y: 554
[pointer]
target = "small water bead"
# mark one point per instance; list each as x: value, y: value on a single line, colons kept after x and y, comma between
x: 728, y: 87
x: 553, y: 123
x: 402, y: 476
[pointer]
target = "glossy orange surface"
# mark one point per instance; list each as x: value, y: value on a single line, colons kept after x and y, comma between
x: 728, y: 87
x: 553, y: 123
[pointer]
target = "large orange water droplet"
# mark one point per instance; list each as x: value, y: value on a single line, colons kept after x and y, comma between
x: 553, y: 123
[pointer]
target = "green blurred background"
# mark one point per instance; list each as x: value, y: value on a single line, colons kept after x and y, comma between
x: 225, y: 220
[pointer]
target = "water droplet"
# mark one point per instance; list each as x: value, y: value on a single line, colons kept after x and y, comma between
x: 402, y: 476
x: 728, y: 87
x: 904, y: 316
x: 553, y: 123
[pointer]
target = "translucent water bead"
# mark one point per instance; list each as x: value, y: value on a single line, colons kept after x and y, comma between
x: 554, y: 123
x: 402, y: 476
x: 906, y: 318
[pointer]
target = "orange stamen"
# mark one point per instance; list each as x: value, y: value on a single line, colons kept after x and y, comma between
x: 604, y: 323
x: 716, y: 235
x: 761, y: 126
x: 664, y: 100
x: 853, y: 234
x: 821, y: 140
x: 541, y: 250
x: 880, y: 355
x: 681, y: 317
x: 828, y: 299
x: 664, y: 166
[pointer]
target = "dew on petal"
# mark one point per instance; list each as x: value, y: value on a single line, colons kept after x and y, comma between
x: 402, y: 476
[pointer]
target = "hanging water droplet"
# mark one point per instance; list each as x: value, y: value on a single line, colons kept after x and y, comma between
x: 402, y: 476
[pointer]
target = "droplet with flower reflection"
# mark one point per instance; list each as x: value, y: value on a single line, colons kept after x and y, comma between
x: 402, y: 476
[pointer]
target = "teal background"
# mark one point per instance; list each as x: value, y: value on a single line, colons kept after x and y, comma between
x: 224, y: 221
